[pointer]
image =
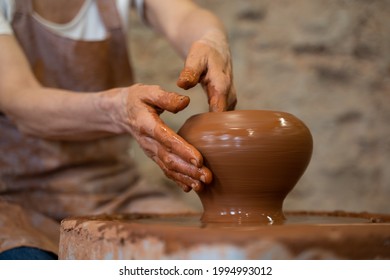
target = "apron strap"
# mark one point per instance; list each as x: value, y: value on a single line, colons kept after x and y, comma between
x: 23, y: 7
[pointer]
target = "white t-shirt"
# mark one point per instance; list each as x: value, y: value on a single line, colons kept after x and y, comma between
x: 86, y: 25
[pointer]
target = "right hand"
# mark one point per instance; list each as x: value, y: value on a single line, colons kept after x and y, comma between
x: 179, y: 160
x: 209, y: 63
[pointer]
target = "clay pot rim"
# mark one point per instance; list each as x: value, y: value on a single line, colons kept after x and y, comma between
x: 244, y: 111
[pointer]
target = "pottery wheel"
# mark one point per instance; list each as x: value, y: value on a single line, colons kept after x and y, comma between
x: 304, y: 235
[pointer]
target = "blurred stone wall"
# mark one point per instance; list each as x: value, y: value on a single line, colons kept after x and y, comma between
x: 327, y: 62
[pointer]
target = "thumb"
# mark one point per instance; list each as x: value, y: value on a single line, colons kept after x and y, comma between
x: 195, y: 66
x: 169, y: 101
x: 188, y: 78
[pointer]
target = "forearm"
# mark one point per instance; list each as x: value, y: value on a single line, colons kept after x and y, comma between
x: 199, y: 25
x: 63, y: 115
x: 47, y: 112
x: 183, y: 23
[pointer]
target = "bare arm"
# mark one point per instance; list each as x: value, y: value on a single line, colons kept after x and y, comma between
x: 182, y: 23
x: 47, y: 112
x: 64, y: 115
x: 199, y: 36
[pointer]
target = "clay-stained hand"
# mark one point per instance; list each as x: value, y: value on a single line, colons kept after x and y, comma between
x: 209, y: 63
x: 179, y: 160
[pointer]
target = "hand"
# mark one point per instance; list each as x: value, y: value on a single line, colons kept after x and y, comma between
x: 179, y: 160
x: 209, y: 63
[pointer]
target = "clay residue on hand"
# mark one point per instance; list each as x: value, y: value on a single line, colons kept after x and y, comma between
x: 187, y: 79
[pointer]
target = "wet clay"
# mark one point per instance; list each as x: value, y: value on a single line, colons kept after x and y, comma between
x: 187, y: 78
x: 305, y: 235
x: 256, y: 157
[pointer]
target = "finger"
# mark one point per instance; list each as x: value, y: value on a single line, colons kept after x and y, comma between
x: 219, y: 103
x: 195, y: 67
x: 185, y: 188
x: 150, y: 147
x: 174, y: 167
x: 177, y: 145
x: 181, y: 179
x: 169, y: 101
x: 232, y: 100
x: 218, y: 93
x: 188, y: 78
x: 176, y: 164
x: 152, y: 127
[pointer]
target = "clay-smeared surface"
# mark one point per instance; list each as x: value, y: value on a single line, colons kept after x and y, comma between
x: 256, y: 158
x: 310, y: 235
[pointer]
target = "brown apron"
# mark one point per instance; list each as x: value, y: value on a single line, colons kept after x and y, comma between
x: 41, y: 182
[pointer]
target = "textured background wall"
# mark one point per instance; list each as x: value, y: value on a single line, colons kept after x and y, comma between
x: 328, y: 63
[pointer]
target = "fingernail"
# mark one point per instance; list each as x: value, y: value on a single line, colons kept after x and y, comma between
x: 194, y: 162
x: 203, y: 178
x: 196, y: 187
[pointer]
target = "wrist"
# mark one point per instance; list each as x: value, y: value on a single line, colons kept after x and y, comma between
x: 215, y: 35
x: 112, y: 105
x: 217, y: 39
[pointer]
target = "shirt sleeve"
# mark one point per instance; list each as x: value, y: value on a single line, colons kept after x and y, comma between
x: 6, y: 14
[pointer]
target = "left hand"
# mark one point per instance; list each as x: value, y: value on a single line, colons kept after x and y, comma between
x: 179, y: 160
x: 209, y: 63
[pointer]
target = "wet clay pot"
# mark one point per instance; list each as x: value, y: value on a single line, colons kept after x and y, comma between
x: 256, y: 157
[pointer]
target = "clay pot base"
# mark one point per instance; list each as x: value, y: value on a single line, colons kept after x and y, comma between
x: 304, y: 235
